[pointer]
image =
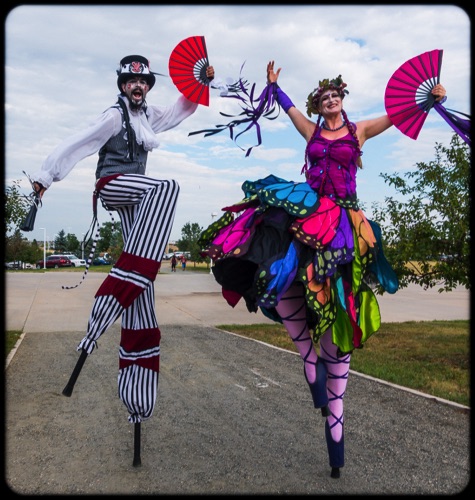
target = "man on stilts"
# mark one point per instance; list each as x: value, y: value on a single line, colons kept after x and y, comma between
x: 123, y: 135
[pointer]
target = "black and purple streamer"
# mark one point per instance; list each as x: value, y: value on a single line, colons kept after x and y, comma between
x: 252, y: 110
x: 454, y: 119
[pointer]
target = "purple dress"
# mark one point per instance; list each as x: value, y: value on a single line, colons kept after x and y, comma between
x: 310, y: 232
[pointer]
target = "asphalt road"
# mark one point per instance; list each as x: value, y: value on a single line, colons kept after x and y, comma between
x: 233, y: 416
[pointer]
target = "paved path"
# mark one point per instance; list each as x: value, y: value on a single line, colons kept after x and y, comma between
x: 35, y: 302
x: 233, y: 416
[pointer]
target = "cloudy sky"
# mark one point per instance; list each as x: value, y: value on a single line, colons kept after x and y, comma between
x: 60, y: 70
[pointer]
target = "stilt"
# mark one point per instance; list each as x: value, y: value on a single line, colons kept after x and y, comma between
x: 68, y: 390
x: 137, y: 460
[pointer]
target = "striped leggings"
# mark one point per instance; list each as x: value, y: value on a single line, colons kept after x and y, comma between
x: 146, y: 208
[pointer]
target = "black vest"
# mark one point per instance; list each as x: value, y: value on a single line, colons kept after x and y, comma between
x: 121, y: 154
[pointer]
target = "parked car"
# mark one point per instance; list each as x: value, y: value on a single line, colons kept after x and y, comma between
x: 101, y: 261
x: 14, y: 265
x: 54, y: 261
x: 168, y: 256
x: 18, y: 264
x: 179, y: 254
x: 447, y: 258
x: 77, y: 262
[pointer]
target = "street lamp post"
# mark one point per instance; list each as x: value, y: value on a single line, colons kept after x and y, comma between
x: 82, y: 246
x: 44, y: 247
x: 213, y: 215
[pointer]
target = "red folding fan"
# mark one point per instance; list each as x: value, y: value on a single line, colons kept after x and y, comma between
x: 408, y: 97
x: 187, y: 67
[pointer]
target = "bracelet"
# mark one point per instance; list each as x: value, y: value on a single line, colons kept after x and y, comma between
x: 283, y: 99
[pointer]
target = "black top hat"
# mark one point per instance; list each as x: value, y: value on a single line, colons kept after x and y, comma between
x: 131, y: 66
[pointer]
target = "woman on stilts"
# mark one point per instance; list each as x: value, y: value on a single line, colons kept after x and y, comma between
x: 306, y: 255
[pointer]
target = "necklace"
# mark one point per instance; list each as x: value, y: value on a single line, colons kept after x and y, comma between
x: 326, y: 127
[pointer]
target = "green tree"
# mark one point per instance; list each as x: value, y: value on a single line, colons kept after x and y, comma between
x: 188, y: 242
x: 431, y: 222
x: 73, y: 245
x: 34, y: 252
x: 60, y: 242
x: 110, y: 239
x: 16, y: 208
x: 17, y: 247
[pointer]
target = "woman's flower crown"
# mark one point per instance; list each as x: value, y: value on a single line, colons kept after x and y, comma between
x: 314, y: 97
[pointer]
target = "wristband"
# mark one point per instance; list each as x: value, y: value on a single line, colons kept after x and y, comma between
x: 283, y: 99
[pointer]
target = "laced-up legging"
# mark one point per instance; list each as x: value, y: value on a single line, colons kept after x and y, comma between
x: 291, y: 309
x: 338, y: 369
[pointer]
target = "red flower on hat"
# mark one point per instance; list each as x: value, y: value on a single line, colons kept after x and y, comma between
x: 136, y: 67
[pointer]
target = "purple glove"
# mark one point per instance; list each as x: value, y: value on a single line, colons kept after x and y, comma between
x: 283, y: 99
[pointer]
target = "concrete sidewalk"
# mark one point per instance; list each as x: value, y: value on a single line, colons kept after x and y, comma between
x: 233, y: 416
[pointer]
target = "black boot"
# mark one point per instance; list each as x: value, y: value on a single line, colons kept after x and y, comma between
x: 336, y: 451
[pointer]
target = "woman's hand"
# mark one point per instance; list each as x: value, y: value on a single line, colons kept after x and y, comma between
x: 271, y: 75
x: 439, y: 92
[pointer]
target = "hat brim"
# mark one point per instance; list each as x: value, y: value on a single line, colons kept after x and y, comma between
x: 127, y: 76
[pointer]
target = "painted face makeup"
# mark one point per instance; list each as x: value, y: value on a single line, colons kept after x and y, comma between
x: 330, y: 96
x: 136, y: 90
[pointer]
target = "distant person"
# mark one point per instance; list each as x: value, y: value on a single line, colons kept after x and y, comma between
x: 174, y: 263
x: 183, y: 262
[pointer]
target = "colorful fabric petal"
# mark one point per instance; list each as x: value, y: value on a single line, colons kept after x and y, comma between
x: 274, y: 281
x: 231, y: 297
x: 320, y: 298
x: 297, y: 199
x: 364, y: 232
x: 342, y: 331
x: 251, y: 201
x: 380, y: 266
x: 319, y: 229
x: 210, y: 232
x: 253, y: 187
x: 338, y: 252
x: 232, y: 239
x: 369, y: 313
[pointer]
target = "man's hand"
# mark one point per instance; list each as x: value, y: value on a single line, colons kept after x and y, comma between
x: 210, y: 72
x: 39, y: 188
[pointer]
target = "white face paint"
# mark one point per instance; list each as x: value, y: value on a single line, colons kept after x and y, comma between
x: 330, y: 102
x: 330, y: 96
x: 136, y: 90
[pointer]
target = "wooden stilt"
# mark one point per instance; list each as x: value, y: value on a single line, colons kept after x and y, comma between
x: 68, y: 390
x: 137, y: 460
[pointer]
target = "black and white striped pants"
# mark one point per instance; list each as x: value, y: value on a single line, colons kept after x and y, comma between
x: 146, y: 208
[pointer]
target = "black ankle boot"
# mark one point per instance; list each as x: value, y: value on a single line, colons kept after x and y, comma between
x: 319, y: 387
x: 336, y: 451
